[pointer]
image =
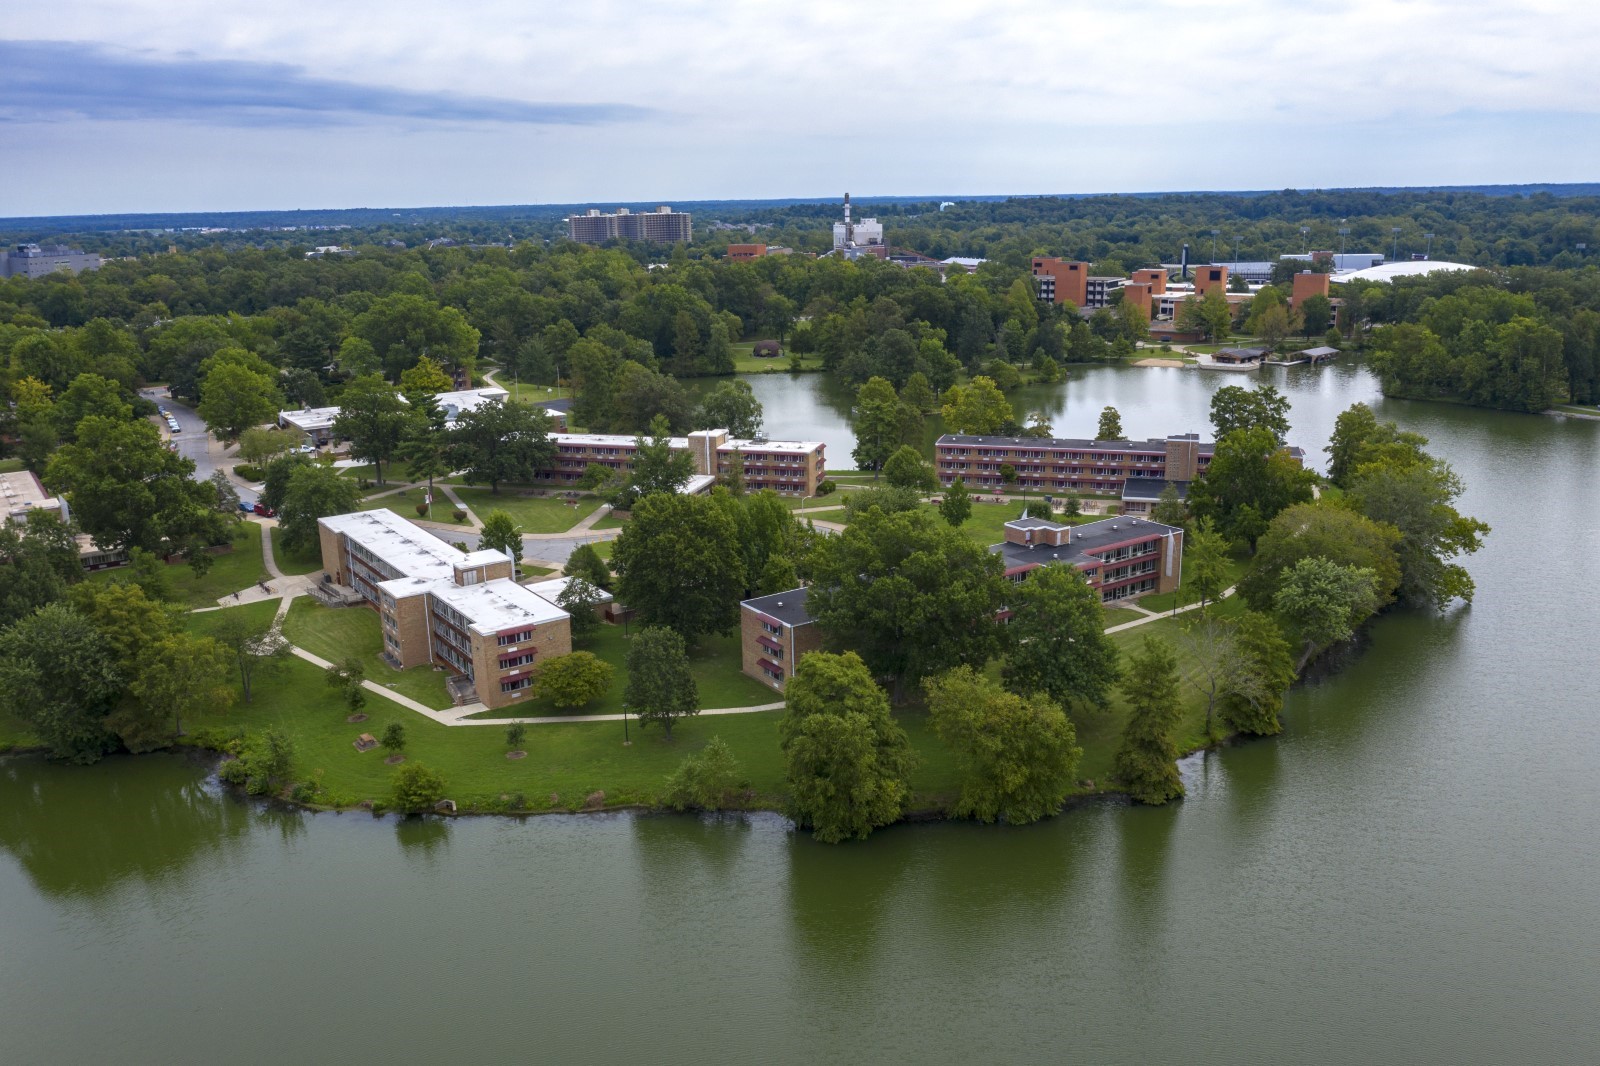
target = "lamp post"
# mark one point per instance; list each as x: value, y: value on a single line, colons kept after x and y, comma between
x: 803, y: 500
x: 1235, y: 252
x: 1344, y: 231
x: 1396, y: 231
x: 1214, y: 244
x: 1429, y: 253
x: 627, y: 741
x: 1305, y: 238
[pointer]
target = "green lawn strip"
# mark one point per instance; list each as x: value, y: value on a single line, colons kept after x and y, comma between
x: 11, y: 466
x: 230, y: 571
x: 15, y: 734
x: 395, y: 472
x: 603, y: 549
x: 744, y: 362
x: 404, y: 504
x: 295, y: 561
x: 535, y: 514
x: 337, y: 632
x: 1116, y: 616
x: 206, y: 623
x: 1183, y: 596
x: 610, y: 521
x: 714, y: 661
x: 523, y: 392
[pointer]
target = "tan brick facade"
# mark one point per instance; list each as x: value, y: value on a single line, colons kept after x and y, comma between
x: 770, y: 647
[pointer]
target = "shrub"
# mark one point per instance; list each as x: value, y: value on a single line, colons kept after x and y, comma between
x: 422, y: 508
x: 250, y: 472
x: 826, y: 488
x: 514, y: 734
x: 416, y: 788
x: 707, y: 780
x: 459, y: 515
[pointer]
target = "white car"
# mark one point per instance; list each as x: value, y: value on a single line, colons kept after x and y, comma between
x: 307, y: 448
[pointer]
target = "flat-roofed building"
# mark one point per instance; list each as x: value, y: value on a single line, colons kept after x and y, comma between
x: 774, y: 632
x: 1062, y: 464
x: 1121, y: 558
x: 437, y: 604
x: 314, y: 422
x: 37, y: 261
x: 746, y: 251
x: 21, y: 493
x: 789, y: 468
x: 661, y: 226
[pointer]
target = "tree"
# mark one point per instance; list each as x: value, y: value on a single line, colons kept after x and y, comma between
x: 1211, y: 660
x: 374, y: 419
x: 907, y: 469
x: 1251, y: 478
x: 417, y: 789
x: 1419, y: 501
x: 733, y: 406
x: 234, y: 397
x: 1234, y: 407
x: 501, y: 534
x: 314, y: 492
x: 1147, y: 761
x: 427, y: 378
x: 127, y: 490
x: 911, y: 595
x: 347, y: 676
x: 1205, y: 561
x: 657, y: 466
x: 1017, y: 754
x: 1266, y: 670
x: 425, y: 445
x: 1056, y: 642
x: 1110, y: 425
x: 573, y: 679
x: 394, y: 738
x: 956, y: 505
x: 680, y: 564
x: 181, y: 675
x: 918, y: 394
x: 876, y: 424
x: 263, y: 765
x: 847, y: 761
x: 1316, y: 314
x: 403, y: 327
x: 225, y: 496
x: 579, y: 599
x: 977, y: 408
x: 275, y: 478
x: 778, y: 574
x: 89, y: 394
x: 706, y: 780
x: 57, y: 676
x: 1325, y: 601
x: 258, y: 445
x: 256, y: 648
x: 585, y: 562
x: 1170, y: 509
x: 38, y: 562
x: 660, y: 687
x: 498, y: 442
x: 1327, y: 530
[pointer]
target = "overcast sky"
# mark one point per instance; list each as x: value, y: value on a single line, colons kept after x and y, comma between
x: 184, y: 105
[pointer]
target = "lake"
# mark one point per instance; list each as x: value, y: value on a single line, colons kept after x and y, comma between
x: 1411, y: 872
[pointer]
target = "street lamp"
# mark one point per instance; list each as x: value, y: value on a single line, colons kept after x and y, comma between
x: 1429, y: 253
x: 1235, y: 251
x: 1214, y: 244
x: 627, y: 741
x: 1396, y: 231
x: 1305, y: 238
x: 1344, y: 231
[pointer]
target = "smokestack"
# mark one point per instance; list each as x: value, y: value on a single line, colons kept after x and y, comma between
x: 849, y: 230
x: 1185, y: 262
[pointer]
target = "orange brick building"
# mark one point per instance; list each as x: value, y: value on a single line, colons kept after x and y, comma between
x: 746, y: 251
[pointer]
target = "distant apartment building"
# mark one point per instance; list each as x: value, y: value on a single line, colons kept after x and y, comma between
x: 1088, y: 467
x: 774, y: 632
x: 37, y: 261
x: 437, y: 604
x: 661, y: 226
x: 789, y: 468
x: 1121, y: 558
x: 1061, y: 281
x: 746, y: 251
x: 317, y: 422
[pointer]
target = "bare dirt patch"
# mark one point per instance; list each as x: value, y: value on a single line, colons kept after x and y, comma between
x: 516, y: 755
x: 394, y: 760
x: 1159, y: 362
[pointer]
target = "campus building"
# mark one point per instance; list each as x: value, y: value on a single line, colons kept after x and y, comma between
x: 1068, y: 281
x: 35, y: 261
x: 661, y: 226
x: 774, y: 631
x: 1121, y: 558
x: 317, y: 422
x: 461, y: 611
x: 1088, y: 467
x: 789, y: 468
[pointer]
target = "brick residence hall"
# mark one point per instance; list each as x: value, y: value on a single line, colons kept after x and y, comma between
x: 461, y: 611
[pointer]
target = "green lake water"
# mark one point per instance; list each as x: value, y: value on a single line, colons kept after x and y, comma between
x: 1410, y: 873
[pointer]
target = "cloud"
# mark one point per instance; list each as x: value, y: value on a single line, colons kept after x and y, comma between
x: 52, y: 80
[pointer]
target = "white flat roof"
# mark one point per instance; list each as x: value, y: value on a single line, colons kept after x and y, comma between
x: 759, y: 445
x: 310, y: 418
x: 495, y: 606
x: 610, y: 439
x: 404, y: 546
x: 1403, y: 269
x: 620, y: 440
x: 552, y: 589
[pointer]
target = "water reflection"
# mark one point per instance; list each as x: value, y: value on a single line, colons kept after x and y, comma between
x: 423, y: 837
x: 840, y: 896
x: 84, y: 832
x: 1143, y: 894
x: 685, y: 854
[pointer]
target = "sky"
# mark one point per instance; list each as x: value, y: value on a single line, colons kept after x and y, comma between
x: 208, y: 105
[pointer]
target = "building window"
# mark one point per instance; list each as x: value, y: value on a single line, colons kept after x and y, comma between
x: 516, y: 683
x: 515, y: 638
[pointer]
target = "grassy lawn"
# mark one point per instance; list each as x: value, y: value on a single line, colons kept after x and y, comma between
x: 1182, y: 595
x: 526, y: 393
x: 714, y: 663
x: 11, y: 466
x: 1116, y: 616
x: 229, y: 572
x: 298, y: 561
x: 337, y: 632
x: 746, y: 363
x: 535, y: 514
x: 208, y: 622
x: 404, y: 503
x: 395, y: 472
x: 610, y: 521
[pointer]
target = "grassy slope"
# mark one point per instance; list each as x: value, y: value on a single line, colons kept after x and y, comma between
x: 535, y: 514
x: 337, y: 632
x: 302, y: 561
x: 229, y: 572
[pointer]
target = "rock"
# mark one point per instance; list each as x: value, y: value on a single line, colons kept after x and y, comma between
x: 594, y: 800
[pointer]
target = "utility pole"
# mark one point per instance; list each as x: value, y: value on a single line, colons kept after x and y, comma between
x: 1214, y: 244
x: 1396, y: 231
x: 1429, y: 253
x: 1344, y: 231
x: 1305, y: 238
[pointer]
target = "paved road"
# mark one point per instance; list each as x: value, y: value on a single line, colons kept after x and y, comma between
x: 194, y: 441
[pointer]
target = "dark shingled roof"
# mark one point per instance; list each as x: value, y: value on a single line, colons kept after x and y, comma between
x: 1092, y: 537
x: 1150, y: 488
x: 787, y: 607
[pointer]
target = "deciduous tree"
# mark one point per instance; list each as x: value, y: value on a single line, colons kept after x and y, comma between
x: 978, y: 407
x: 680, y: 564
x: 373, y: 418
x: 956, y: 505
x: 1056, y: 642
x: 1147, y: 761
x: 573, y: 679
x: 313, y: 492
x: 1110, y: 427
x: 1325, y: 601
x: 660, y: 687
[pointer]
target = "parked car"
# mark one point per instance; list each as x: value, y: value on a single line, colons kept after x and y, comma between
x: 264, y: 511
x: 307, y: 448
x: 247, y: 508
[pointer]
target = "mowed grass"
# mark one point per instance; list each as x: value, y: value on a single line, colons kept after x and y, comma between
x: 744, y: 362
x: 230, y: 571
x: 336, y: 633
x: 714, y: 662
x: 305, y: 560
x: 11, y: 466
x: 395, y: 472
x: 404, y: 503
x: 1184, y: 594
x: 535, y: 514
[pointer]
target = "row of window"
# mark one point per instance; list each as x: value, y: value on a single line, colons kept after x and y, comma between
x: 516, y: 683
x: 511, y: 662
x: 515, y: 638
